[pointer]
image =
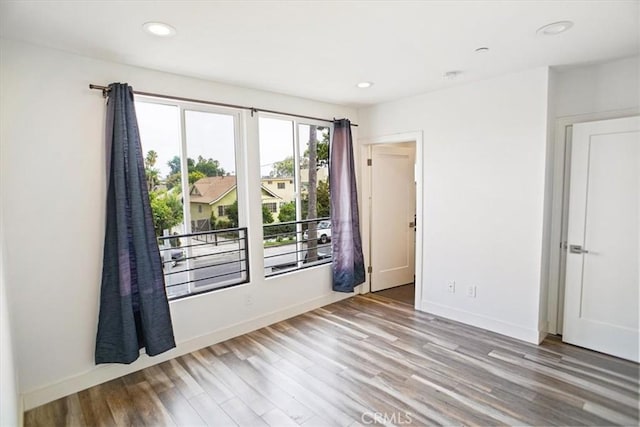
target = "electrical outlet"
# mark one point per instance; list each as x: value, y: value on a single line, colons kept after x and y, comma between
x: 471, y: 291
x: 451, y: 286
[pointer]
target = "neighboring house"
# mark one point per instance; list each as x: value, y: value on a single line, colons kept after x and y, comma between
x: 215, y: 194
x: 284, y: 187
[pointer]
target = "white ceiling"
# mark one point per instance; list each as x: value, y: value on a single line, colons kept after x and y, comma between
x: 321, y: 49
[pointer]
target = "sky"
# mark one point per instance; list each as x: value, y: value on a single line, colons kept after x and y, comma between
x: 211, y: 135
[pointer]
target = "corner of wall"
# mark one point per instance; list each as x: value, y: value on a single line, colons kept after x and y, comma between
x: 546, y: 252
x: 10, y: 404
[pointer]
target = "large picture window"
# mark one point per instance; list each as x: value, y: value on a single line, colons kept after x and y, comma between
x: 190, y: 166
x: 294, y: 161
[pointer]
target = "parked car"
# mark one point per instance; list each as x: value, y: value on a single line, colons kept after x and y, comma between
x: 177, y: 255
x: 324, y: 232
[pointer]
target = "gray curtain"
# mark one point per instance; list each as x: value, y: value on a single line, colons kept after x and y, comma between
x: 134, y: 311
x: 346, y: 243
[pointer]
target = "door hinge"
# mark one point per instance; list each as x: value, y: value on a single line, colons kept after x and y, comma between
x: 368, y: 162
x: 369, y: 269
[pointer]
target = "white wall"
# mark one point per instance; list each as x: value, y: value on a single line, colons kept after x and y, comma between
x: 9, y: 397
x: 484, y: 189
x: 53, y: 167
x: 608, y: 86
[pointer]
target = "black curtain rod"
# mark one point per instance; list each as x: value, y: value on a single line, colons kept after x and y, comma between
x: 105, y: 93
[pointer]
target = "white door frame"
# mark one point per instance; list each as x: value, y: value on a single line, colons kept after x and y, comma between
x: 365, y: 203
x: 559, y: 209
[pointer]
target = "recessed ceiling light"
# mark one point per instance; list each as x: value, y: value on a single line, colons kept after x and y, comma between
x: 450, y: 75
x: 364, y: 85
x: 159, y: 29
x: 555, y: 28
x: 482, y: 50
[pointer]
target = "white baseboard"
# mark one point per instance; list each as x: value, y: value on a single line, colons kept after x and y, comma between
x: 541, y: 336
x: 494, y: 325
x: 104, y: 373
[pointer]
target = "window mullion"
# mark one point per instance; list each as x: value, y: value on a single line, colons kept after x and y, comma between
x: 298, y: 193
x: 186, y: 197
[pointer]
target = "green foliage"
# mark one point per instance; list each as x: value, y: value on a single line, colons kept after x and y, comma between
x: 232, y: 214
x: 322, y: 150
x: 152, y: 178
x: 323, y: 207
x: 195, y: 176
x: 284, y: 231
x: 152, y: 174
x: 166, y: 209
x: 212, y: 220
x: 283, y: 168
x: 151, y: 159
x: 287, y: 212
x: 267, y: 216
x: 208, y: 167
x: 174, y: 181
x: 174, y: 165
x: 200, y: 169
x: 223, y: 224
x: 324, y: 202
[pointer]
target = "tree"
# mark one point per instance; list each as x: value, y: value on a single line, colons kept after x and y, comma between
x: 232, y: 213
x: 196, y: 170
x: 208, y: 167
x: 152, y: 174
x: 166, y: 209
x: 267, y: 216
x: 174, y: 180
x: 195, y: 176
x: 283, y: 168
x: 324, y: 199
x: 151, y: 159
x: 322, y: 150
x: 287, y: 212
x: 174, y: 165
x: 152, y: 178
x: 212, y: 220
x: 312, y: 241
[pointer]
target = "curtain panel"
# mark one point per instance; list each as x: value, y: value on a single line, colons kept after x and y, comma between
x: 346, y: 243
x: 134, y: 310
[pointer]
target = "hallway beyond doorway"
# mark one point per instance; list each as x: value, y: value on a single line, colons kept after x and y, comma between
x: 405, y: 293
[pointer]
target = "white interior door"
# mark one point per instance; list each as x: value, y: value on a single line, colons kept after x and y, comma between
x: 602, y: 282
x: 393, y: 208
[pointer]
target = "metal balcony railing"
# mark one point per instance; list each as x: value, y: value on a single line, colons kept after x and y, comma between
x: 199, y: 262
x: 290, y: 246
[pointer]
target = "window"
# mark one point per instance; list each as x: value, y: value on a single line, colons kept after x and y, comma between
x: 271, y: 207
x: 190, y: 165
x: 294, y: 238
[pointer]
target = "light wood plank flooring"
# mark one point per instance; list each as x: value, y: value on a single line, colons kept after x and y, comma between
x: 366, y: 360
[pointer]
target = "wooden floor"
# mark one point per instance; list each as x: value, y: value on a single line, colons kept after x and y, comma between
x: 362, y: 361
x: 404, y: 293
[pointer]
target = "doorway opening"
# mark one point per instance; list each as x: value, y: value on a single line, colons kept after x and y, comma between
x: 595, y: 264
x: 392, y: 237
x: 404, y: 293
x: 560, y: 209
